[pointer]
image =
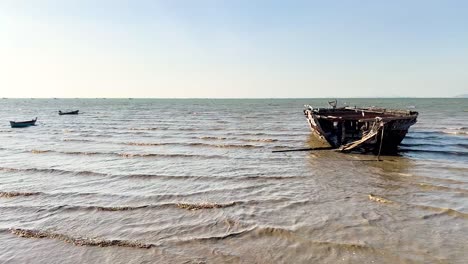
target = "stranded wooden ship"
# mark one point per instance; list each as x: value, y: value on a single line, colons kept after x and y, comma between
x: 371, y: 129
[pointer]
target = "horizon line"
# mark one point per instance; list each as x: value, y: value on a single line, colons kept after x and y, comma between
x: 238, y: 98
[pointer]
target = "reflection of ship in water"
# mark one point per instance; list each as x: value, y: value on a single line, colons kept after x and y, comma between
x: 360, y: 129
x: 363, y: 173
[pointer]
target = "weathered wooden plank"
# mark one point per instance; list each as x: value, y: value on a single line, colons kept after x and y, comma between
x: 301, y: 149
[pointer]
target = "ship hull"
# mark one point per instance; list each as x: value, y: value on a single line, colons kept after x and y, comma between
x: 364, y: 130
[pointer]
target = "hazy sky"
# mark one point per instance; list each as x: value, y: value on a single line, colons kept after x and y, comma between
x: 196, y: 48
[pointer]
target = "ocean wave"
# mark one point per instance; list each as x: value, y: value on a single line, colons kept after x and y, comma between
x: 37, y: 151
x: 148, y: 128
x: 259, y: 139
x: 172, y: 177
x: 121, y: 143
x: 77, y: 140
x: 57, y: 171
x: 95, y: 135
x: 264, y: 177
x: 16, y: 194
x: 98, y: 208
x: 296, y: 134
x: 203, y: 193
x: 266, y: 140
x: 217, y: 238
x: 232, y: 146
x: 283, y: 233
x: 440, y: 211
x: 92, y: 173
x: 282, y: 147
x: 458, y: 128
x: 85, y: 153
x: 250, y: 134
x: 127, y: 155
x: 79, y: 241
x: 199, y: 206
x: 154, y: 176
x: 441, y: 152
x: 77, y: 208
x: 442, y: 188
x: 148, y: 155
x: 454, y: 132
x: 423, y: 137
x: 177, y: 129
x: 144, y: 144
x: 189, y: 144
x: 213, y: 138
x: 179, y: 205
x: 199, y: 129
x: 437, y: 134
x: 194, y: 144
x: 259, y: 232
x: 408, y: 144
x: 153, y: 197
x: 211, y: 178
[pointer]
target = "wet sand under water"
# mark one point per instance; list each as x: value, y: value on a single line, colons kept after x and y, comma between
x: 202, y: 196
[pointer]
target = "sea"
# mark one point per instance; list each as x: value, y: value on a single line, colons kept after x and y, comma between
x: 197, y: 181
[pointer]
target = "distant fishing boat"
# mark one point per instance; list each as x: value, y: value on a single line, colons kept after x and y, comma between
x: 23, y: 123
x: 371, y: 129
x: 69, y: 113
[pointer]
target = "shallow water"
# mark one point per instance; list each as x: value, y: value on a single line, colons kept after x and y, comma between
x: 195, y: 181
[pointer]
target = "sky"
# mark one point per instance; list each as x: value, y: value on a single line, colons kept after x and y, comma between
x: 233, y: 49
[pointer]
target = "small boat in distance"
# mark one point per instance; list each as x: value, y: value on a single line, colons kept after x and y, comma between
x: 69, y: 113
x: 23, y: 123
x: 370, y: 129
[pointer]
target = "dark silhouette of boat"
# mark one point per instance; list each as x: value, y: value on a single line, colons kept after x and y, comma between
x: 370, y: 129
x: 23, y: 123
x: 69, y: 113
